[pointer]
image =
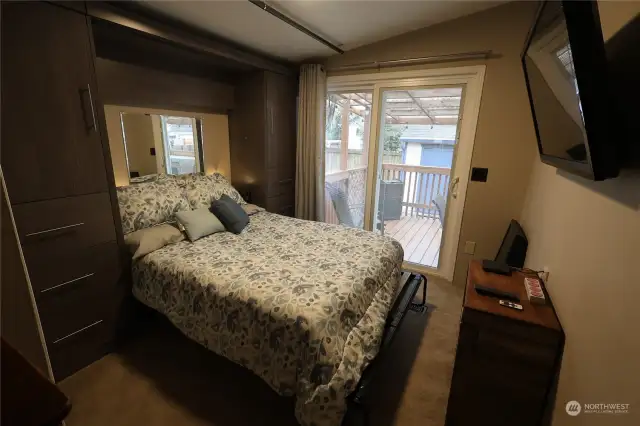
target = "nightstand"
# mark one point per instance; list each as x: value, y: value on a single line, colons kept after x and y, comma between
x: 506, y: 360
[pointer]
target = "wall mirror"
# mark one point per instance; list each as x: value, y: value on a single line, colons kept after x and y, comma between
x: 161, y: 144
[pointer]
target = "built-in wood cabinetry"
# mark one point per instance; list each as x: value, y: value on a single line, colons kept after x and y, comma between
x: 53, y: 160
x: 55, y: 152
x: 48, y: 97
x: 263, y: 140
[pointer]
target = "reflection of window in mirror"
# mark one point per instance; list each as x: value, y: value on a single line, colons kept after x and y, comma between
x: 158, y: 144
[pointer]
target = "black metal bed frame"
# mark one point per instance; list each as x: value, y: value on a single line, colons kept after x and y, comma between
x: 357, y: 401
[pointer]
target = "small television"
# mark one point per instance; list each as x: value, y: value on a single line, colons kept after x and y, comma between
x: 513, y: 249
x: 565, y: 67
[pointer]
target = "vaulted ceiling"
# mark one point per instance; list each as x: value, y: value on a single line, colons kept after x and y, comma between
x: 347, y: 23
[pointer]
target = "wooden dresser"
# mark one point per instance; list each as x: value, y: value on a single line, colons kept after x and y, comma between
x: 56, y: 164
x: 506, y: 360
x: 262, y: 130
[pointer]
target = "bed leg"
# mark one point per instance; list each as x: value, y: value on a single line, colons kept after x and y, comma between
x: 422, y: 305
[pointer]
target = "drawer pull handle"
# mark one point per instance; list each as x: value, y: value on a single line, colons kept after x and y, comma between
x: 54, y: 229
x: 67, y: 282
x: 76, y: 332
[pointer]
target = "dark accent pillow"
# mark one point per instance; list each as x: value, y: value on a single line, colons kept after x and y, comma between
x: 232, y: 216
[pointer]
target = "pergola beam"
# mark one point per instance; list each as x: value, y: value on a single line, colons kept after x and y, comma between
x: 368, y: 105
x: 405, y: 108
x: 422, y: 108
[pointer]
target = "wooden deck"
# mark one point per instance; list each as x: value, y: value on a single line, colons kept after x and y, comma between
x: 420, y: 238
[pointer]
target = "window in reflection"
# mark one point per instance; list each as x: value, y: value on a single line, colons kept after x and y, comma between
x: 157, y: 144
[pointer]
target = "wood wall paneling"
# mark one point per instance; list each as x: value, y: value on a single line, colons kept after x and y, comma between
x: 154, y: 25
x: 75, y: 5
x: 132, y: 85
x: 123, y: 44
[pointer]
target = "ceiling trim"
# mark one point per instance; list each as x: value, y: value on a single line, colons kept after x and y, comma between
x: 423, y: 60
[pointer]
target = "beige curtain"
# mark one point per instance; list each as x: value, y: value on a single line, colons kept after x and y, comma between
x: 310, y: 143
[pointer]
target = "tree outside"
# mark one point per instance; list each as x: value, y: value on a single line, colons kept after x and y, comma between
x: 392, y: 132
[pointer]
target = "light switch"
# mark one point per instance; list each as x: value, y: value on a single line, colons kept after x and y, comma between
x: 470, y: 247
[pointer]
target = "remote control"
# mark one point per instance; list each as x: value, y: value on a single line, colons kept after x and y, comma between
x: 494, y: 292
x: 511, y: 305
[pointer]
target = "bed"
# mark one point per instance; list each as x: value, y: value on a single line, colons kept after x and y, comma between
x: 302, y: 304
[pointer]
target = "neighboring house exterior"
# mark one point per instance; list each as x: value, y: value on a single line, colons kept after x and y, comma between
x: 426, y: 145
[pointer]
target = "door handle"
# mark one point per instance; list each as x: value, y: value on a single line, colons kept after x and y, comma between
x: 94, y: 124
x: 454, y: 187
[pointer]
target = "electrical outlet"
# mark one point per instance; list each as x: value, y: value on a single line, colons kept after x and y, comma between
x: 545, y: 274
x: 470, y: 247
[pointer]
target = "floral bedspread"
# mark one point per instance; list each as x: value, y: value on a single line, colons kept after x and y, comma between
x: 302, y: 304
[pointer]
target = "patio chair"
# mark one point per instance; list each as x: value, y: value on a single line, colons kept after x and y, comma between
x: 342, y: 207
x: 441, y: 205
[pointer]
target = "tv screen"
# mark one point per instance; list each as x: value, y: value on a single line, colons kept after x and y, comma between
x: 565, y: 69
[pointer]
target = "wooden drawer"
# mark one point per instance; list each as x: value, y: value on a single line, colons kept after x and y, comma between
x: 81, y: 349
x: 64, y: 224
x: 68, y: 309
x: 500, y: 348
x: 52, y: 273
x: 516, y: 330
x: 277, y: 185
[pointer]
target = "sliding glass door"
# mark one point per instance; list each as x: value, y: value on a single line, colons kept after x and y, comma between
x: 398, y: 157
x: 418, y: 134
x: 348, y: 124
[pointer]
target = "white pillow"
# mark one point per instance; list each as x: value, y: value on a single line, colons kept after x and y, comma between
x: 199, y: 223
x: 144, y: 241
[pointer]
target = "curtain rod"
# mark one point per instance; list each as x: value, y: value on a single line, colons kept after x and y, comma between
x: 465, y: 56
x: 262, y: 5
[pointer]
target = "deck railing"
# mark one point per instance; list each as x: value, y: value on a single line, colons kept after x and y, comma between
x: 354, y: 158
x: 421, y: 184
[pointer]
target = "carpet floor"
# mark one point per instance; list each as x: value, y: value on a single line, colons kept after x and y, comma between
x: 162, y: 378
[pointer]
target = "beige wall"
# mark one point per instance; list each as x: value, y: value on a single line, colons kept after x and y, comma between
x: 505, y: 140
x: 215, y: 139
x: 588, y: 234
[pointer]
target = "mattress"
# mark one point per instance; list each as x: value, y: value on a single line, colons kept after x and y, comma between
x: 302, y: 304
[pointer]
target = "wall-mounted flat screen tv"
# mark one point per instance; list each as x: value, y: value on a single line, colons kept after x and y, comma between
x: 565, y: 67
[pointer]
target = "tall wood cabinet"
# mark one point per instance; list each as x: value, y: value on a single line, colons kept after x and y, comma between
x: 48, y: 98
x: 53, y: 159
x: 263, y: 140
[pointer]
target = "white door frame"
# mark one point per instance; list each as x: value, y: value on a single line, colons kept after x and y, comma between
x: 472, y: 79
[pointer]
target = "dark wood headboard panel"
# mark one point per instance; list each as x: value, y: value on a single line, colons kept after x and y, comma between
x: 131, y: 85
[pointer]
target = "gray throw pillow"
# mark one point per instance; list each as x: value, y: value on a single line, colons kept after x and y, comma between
x: 232, y: 216
x: 144, y: 241
x: 199, y: 223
